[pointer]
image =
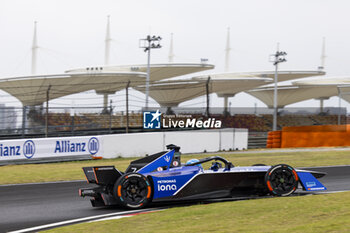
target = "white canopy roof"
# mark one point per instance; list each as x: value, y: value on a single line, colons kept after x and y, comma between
x: 339, y: 85
x: 283, y: 75
x: 173, y: 92
x: 252, y: 80
x: 336, y: 81
x: 228, y: 84
x: 157, y: 71
x: 344, y: 92
x: 31, y: 90
x: 293, y: 94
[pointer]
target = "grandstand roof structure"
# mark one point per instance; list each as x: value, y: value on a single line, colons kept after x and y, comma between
x: 340, y: 84
x: 336, y: 81
x: 171, y: 93
x: 282, y: 75
x: 31, y: 90
x: 288, y: 75
x: 157, y: 71
x: 344, y: 92
x: 268, y: 75
x: 292, y: 94
x: 232, y: 83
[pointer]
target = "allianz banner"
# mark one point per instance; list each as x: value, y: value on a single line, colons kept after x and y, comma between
x: 50, y: 147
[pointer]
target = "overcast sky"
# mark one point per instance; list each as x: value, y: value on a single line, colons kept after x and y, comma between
x: 71, y: 34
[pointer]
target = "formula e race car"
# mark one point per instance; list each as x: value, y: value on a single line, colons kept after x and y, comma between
x: 161, y: 177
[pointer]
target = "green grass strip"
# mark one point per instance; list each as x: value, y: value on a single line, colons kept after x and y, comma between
x: 316, y: 213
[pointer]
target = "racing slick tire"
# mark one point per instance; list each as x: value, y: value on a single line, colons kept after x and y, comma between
x: 281, y: 180
x: 133, y: 191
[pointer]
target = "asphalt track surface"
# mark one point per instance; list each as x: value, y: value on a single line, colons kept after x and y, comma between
x: 29, y: 205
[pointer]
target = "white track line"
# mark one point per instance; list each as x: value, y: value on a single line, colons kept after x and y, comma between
x: 329, y: 192
x: 124, y: 216
x: 326, y: 166
x: 49, y: 182
x: 111, y: 218
x: 68, y: 222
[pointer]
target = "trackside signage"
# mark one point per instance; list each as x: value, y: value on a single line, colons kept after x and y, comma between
x: 50, y: 147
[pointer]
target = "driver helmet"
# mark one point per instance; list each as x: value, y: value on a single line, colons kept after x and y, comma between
x: 194, y: 161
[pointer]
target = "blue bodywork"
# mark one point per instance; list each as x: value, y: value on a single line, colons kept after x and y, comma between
x: 309, y: 182
x: 168, y: 182
x: 161, y: 177
x: 163, y: 161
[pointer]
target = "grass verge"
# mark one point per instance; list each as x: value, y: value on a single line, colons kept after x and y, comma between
x: 12, y: 174
x: 316, y: 213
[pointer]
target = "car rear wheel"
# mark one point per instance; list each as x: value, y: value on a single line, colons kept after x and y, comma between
x: 281, y: 180
x: 133, y: 191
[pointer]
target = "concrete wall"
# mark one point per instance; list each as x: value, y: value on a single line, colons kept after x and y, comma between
x: 40, y: 148
x: 139, y: 144
x: 123, y: 145
x: 131, y: 145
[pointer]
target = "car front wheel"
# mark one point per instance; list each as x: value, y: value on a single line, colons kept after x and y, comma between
x: 281, y: 180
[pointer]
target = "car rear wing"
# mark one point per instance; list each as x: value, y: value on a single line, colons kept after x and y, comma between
x: 102, y: 175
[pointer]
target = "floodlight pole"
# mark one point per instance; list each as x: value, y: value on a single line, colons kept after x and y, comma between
x: 339, y: 109
x: 151, y: 42
x: 274, y: 128
x: 147, y: 77
x: 278, y: 58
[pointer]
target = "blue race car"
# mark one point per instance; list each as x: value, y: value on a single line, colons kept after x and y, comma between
x: 162, y: 178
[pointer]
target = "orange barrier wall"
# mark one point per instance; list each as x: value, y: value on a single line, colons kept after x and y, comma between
x: 274, y: 139
x: 311, y: 136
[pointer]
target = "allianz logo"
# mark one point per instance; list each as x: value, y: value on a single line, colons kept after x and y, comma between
x: 9, y: 150
x: 28, y: 149
x: 66, y: 146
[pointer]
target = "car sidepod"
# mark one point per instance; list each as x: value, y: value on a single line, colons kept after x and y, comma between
x: 167, y: 183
